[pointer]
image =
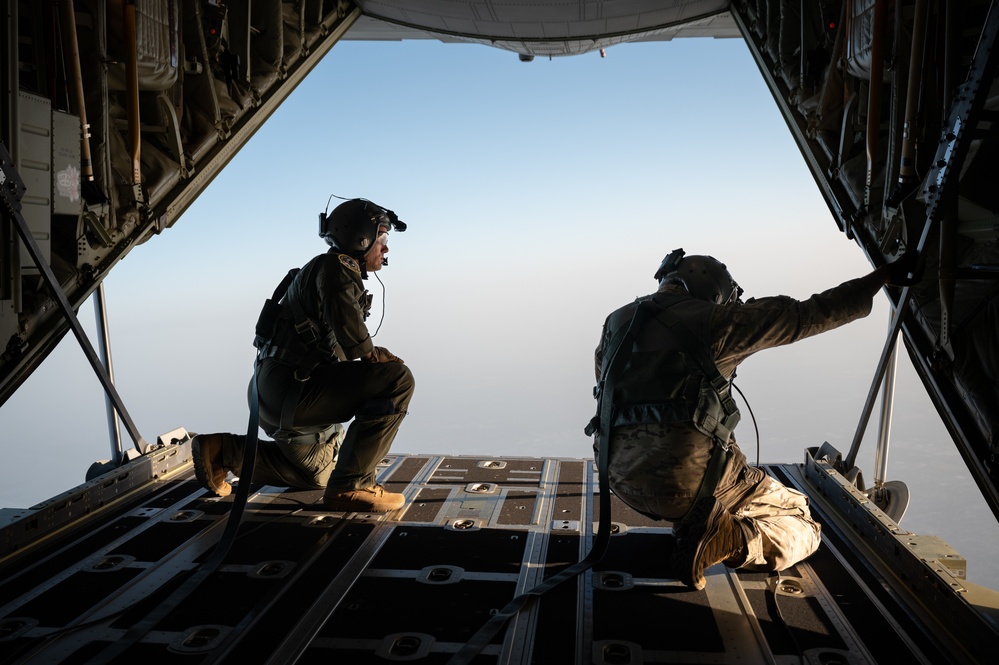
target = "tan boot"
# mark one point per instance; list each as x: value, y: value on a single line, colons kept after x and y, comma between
x: 207, y: 452
x: 374, y: 499
x: 708, y: 536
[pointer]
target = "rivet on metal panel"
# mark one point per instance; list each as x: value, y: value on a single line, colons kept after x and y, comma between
x: 612, y: 580
x: 405, y: 646
x: 829, y: 657
x: 110, y: 563
x: 616, y: 653
x: 14, y: 627
x: 322, y: 521
x: 271, y: 569
x: 199, y: 639
x: 616, y: 528
x: 789, y: 586
x: 106, y: 563
x: 186, y: 515
x: 440, y: 575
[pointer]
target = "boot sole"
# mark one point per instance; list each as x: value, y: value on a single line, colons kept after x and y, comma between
x: 356, y: 508
x: 348, y: 506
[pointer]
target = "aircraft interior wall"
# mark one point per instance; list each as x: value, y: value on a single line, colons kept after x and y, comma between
x: 893, y: 105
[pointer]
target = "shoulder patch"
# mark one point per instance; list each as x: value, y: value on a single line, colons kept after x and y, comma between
x: 350, y: 263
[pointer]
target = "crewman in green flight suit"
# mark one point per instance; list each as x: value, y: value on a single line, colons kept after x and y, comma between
x: 672, y: 454
x: 318, y: 369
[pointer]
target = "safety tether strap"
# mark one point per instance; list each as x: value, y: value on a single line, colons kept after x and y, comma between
x: 291, y: 397
x: 613, y: 364
x: 171, y: 602
x: 305, y: 329
x: 698, y: 350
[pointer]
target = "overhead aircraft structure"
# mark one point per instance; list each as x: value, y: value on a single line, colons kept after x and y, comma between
x: 116, y: 115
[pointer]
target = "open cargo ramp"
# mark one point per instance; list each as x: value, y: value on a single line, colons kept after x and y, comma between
x: 84, y: 574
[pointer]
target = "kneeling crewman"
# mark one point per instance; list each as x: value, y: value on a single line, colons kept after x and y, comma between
x: 672, y: 454
x: 318, y: 368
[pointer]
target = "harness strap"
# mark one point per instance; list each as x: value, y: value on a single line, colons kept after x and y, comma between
x: 287, y: 419
x: 307, y: 334
x: 698, y: 350
x: 712, y: 475
x: 296, y: 438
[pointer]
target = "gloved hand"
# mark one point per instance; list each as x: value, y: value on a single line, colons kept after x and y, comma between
x: 380, y: 354
x: 899, y: 269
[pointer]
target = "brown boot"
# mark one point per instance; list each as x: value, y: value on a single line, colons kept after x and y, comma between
x: 374, y: 499
x: 208, y: 467
x: 708, y: 536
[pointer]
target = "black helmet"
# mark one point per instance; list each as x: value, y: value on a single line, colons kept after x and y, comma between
x: 704, y: 277
x: 353, y: 225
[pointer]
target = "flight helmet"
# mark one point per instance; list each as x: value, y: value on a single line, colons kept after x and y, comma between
x: 353, y: 225
x: 704, y: 277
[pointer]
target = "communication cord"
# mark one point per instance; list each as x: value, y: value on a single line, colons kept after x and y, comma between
x: 382, y: 319
x: 753, y: 416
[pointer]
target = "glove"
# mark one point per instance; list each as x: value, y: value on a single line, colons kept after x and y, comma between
x: 380, y: 354
x: 899, y: 269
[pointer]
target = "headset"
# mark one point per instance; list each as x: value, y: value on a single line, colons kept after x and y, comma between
x: 353, y: 225
x: 704, y: 277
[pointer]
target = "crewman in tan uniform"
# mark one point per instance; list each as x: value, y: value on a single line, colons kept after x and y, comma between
x: 318, y: 368
x: 672, y: 454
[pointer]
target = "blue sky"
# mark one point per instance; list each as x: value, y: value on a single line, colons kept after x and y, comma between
x: 539, y: 196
